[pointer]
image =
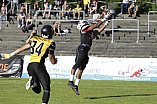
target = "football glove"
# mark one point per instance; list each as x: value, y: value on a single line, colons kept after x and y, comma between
x: 7, y: 56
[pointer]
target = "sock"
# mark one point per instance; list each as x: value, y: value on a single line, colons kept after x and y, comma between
x: 71, y: 77
x: 77, y: 82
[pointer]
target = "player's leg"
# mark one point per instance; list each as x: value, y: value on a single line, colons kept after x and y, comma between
x: 44, y: 79
x: 79, y: 74
x: 33, y: 81
x: 78, y: 61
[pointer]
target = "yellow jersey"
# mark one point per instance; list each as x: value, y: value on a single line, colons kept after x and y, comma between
x: 40, y: 48
x: 78, y: 8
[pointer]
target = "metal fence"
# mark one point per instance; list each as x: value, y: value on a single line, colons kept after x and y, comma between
x: 59, y: 19
x: 150, y: 20
x: 137, y: 29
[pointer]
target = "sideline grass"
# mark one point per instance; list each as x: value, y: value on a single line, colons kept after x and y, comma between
x: 12, y: 91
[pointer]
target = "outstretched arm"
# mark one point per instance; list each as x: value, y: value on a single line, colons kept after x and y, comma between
x: 97, y: 32
x: 96, y: 25
x: 23, y: 48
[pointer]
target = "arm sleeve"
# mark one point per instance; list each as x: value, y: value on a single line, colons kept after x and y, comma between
x: 52, y: 48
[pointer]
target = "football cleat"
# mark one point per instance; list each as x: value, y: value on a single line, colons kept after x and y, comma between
x: 29, y: 83
x: 71, y: 84
x: 75, y: 89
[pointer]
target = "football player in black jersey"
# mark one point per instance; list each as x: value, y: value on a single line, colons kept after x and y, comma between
x: 41, y: 47
x: 87, y: 33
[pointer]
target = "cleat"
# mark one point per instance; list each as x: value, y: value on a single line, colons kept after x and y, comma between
x: 75, y: 89
x: 71, y: 84
x: 29, y: 83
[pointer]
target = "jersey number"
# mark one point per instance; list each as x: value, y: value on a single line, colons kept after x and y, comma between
x: 37, y: 49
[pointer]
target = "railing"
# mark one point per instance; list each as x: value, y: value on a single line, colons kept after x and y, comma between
x: 150, y: 20
x: 60, y: 20
x: 123, y: 29
x: 10, y: 2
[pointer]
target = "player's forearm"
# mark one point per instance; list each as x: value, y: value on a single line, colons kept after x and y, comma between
x: 96, y: 25
x: 103, y: 27
x: 19, y: 50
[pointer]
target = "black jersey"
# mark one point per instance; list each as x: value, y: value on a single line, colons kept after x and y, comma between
x: 86, y: 35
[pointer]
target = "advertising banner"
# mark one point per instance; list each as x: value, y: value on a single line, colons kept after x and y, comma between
x: 12, y: 67
x: 101, y: 68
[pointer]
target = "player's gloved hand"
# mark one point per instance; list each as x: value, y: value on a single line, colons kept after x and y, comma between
x: 7, y: 56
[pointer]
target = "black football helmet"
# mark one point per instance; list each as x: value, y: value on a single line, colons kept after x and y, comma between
x: 47, y: 32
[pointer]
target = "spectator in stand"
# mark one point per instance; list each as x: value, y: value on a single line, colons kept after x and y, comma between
x: 49, y: 8
x: 67, y: 14
x: 58, y: 30
x: 104, y: 8
x: 93, y: 8
x: 134, y: 8
x: 59, y: 1
x: 37, y: 7
x: 21, y: 20
x: 3, y: 10
x: 24, y: 8
x: 64, y: 7
x: 57, y: 7
x: 126, y: 4
x: 78, y: 8
x: 85, y: 3
x: 15, y: 4
x: 29, y: 24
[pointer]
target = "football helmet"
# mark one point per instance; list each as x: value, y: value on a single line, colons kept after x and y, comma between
x: 47, y: 32
x: 81, y: 23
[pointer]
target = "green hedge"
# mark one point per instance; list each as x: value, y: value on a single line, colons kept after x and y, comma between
x: 144, y: 7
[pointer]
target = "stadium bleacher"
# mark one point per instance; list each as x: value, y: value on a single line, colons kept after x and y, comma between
x: 124, y: 44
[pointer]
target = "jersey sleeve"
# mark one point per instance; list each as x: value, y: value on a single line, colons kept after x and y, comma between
x: 52, y: 48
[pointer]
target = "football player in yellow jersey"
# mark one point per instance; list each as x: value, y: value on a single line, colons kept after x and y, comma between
x: 41, y: 47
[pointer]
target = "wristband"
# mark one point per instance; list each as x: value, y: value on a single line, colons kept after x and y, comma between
x: 106, y: 23
x: 104, y: 19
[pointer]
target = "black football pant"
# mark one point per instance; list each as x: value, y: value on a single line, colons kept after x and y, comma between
x: 82, y: 58
x: 40, y: 76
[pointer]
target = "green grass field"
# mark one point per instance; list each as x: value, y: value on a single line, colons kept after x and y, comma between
x: 12, y: 91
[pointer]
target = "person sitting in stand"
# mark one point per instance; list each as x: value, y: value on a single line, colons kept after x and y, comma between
x: 93, y: 8
x: 57, y: 7
x: 29, y: 24
x: 64, y: 7
x: 78, y: 8
x: 134, y: 8
x: 104, y: 8
x: 21, y: 20
x: 58, y: 30
x: 24, y: 8
x: 67, y: 14
x: 49, y: 8
x: 37, y: 7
